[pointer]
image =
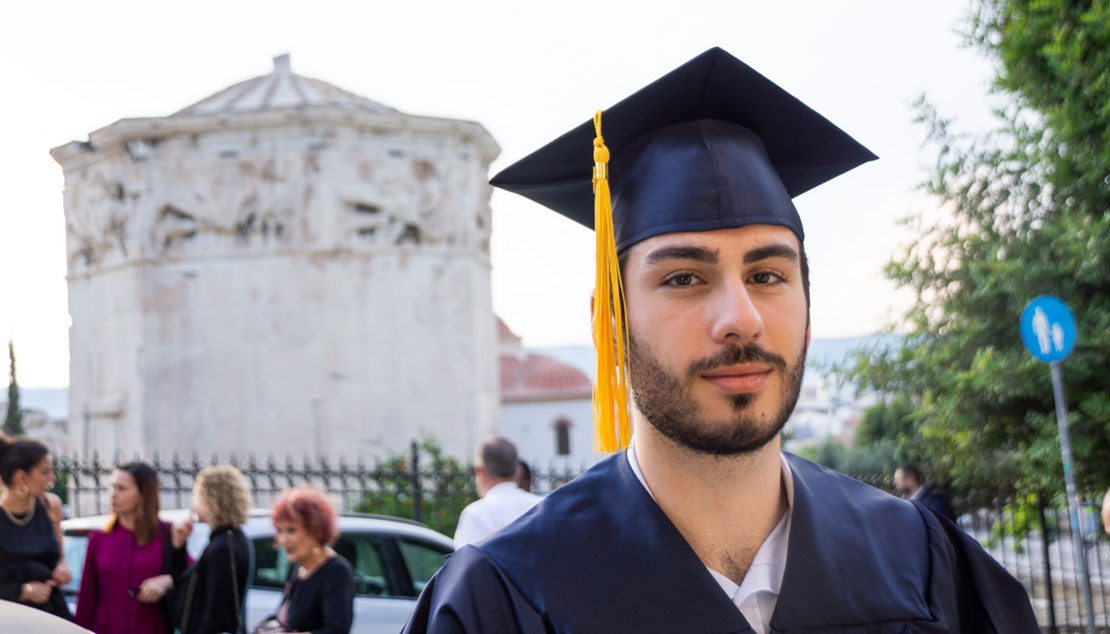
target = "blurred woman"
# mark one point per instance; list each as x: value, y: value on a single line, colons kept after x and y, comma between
x: 32, y: 563
x: 210, y: 593
x: 320, y: 591
x: 126, y: 573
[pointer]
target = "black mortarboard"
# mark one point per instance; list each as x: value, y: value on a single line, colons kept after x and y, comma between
x: 711, y: 145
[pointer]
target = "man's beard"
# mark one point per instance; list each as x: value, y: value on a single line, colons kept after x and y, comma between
x: 666, y: 401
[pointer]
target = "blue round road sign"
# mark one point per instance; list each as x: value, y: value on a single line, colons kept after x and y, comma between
x: 1048, y: 328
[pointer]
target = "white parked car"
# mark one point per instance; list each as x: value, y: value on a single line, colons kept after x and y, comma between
x: 392, y: 559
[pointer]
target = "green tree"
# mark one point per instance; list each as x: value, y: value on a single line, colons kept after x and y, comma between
x: 1026, y: 213
x: 446, y: 488
x: 13, y: 421
x: 890, y: 419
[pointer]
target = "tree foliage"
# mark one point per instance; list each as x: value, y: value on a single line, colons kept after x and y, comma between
x: 13, y: 420
x: 890, y: 419
x: 1025, y: 212
x: 443, y: 497
x: 883, y: 441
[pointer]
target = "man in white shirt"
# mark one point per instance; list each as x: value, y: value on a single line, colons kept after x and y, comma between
x: 502, y: 501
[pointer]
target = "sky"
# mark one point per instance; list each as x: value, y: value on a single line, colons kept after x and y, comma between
x: 527, y: 72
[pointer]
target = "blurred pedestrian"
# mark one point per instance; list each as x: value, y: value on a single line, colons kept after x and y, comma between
x: 32, y: 562
x: 1106, y: 512
x: 320, y: 590
x: 502, y: 501
x: 907, y: 480
x: 125, y: 583
x: 210, y: 592
x: 524, y: 476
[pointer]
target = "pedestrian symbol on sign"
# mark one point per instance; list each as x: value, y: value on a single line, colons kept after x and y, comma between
x: 1048, y: 328
x: 1049, y: 338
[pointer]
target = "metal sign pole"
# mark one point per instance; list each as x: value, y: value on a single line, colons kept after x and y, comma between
x: 1074, y: 503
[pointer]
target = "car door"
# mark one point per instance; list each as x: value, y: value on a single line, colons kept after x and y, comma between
x: 420, y: 560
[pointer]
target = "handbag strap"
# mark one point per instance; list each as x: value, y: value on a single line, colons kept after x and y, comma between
x: 188, y: 603
x: 235, y: 582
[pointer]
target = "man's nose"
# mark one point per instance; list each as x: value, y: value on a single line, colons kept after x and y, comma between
x: 735, y: 316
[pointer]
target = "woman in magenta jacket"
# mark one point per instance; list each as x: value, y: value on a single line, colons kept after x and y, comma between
x: 124, y: 583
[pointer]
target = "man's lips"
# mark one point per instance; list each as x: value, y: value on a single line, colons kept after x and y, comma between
x: 738, y: 379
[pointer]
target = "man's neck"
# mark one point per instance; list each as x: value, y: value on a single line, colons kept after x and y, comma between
x: 724, y: 506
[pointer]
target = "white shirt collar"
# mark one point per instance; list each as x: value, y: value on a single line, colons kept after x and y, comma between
x: 501, y: 487
x: 757, y: 595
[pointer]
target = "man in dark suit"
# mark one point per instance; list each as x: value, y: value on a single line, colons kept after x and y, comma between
x: 907, y: 480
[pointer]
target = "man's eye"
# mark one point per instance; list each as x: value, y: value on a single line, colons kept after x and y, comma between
x: 681, y: 279
x: 766, y: 277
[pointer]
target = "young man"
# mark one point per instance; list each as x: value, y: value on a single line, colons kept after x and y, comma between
x: 703, y: 525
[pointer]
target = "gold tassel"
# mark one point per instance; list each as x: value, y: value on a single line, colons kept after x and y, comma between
x: 612, y: 430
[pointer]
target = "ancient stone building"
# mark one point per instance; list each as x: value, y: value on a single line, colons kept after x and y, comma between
x: 283, y: 267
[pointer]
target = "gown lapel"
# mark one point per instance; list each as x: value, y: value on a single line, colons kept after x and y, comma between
x: 856, y: 556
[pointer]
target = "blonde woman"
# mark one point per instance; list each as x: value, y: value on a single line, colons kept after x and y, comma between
x: 210, y: 591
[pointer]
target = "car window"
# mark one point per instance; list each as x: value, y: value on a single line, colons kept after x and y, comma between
x: 423, y: 560
x: 365, y: 554
x: 74, y: 546
x: 270, y: 565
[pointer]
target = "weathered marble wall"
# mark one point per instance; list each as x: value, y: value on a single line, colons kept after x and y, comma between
x: 309, y: 281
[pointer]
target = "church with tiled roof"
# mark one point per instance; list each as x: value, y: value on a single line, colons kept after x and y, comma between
x: 546, y: 407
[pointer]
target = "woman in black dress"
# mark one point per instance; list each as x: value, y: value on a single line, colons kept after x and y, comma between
x: 209, y: 593
x: 32, y: 566
x: 320, y: 592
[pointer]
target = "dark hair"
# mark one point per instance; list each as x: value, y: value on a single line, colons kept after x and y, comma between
x: 19, y: 455
x: 146, y: 516
x: 911, y: 471
x: 498, y: 457
x: 524, y: 475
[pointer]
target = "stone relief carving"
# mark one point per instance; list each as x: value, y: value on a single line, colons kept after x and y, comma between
x: 253, y: 204
x: 424, y: 203
x: 161, y: 206
x: 98, y: 226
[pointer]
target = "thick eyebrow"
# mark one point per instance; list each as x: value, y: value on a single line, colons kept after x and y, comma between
x: 770, y: 251
x: 698, y: 254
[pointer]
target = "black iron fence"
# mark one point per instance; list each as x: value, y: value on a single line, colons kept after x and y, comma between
x: 1034, y: 541
x: 420, y: 485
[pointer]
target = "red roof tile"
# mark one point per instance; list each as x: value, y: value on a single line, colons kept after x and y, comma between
x: 536, y: 377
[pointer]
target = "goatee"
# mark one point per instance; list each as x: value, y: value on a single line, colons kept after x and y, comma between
x: 666, y: 401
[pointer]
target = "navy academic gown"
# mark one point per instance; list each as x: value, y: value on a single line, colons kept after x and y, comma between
x: 599, y: 555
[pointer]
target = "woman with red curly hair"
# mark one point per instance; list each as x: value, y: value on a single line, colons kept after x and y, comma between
x: 320, y: 591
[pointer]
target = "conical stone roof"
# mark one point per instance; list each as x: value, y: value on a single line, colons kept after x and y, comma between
x: 280, y: 89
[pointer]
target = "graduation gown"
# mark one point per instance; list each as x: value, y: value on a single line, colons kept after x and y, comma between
x: 598, y: 555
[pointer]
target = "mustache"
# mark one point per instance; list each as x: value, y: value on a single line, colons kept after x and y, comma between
x: 734, y: 354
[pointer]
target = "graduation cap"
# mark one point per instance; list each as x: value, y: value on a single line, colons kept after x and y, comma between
x: 711, y: 145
